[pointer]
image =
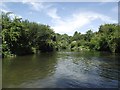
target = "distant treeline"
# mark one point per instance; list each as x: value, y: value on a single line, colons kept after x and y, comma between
x: 21, y: 37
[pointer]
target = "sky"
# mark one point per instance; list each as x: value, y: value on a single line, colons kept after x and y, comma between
x: 65, y: 17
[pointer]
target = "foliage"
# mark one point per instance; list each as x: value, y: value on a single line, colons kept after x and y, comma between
x: 107, y: 38
x: 14, y: 38
x: 21, y: 37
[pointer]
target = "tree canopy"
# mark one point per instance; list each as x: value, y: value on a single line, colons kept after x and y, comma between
x: 21, y: 37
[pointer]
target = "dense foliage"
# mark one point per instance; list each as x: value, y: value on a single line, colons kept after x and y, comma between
x: 21, y: 37
x: 106, y: 39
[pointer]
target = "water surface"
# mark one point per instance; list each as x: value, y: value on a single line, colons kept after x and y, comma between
x: 62, y: 70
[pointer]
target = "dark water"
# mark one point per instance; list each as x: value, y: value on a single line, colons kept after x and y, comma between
x: 62, y: 70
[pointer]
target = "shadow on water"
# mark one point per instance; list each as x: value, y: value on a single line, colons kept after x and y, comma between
x: 24, y: 69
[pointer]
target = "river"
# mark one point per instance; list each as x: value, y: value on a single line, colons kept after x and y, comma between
x: 62, y: 70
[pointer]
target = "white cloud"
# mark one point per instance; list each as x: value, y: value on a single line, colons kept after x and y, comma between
x: 77, y: 21
x: 12, y: 15
x: 45, y: 8
x: 53, y: 13
x: 71, y: 24
x: 36, y: 6
x: 5, y: 9
x: 2, y: 10
x: 15, y: 15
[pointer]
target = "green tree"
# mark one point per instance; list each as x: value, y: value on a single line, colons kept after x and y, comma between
x: 45, y: 40
x: 88, y: 35
x: 14, y: 36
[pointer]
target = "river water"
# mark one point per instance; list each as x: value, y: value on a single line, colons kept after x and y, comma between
x: 62, y: 70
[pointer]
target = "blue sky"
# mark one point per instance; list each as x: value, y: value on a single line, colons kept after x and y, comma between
x: 65, y: 17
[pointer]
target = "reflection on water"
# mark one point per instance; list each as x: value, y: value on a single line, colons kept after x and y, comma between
x: 61, y: 70
x: 22, y: 69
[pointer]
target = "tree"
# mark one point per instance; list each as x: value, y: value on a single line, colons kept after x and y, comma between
x: 45, y: 38
x: 76, y: 36
x: 14, y: 36
x: 88, y: 35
